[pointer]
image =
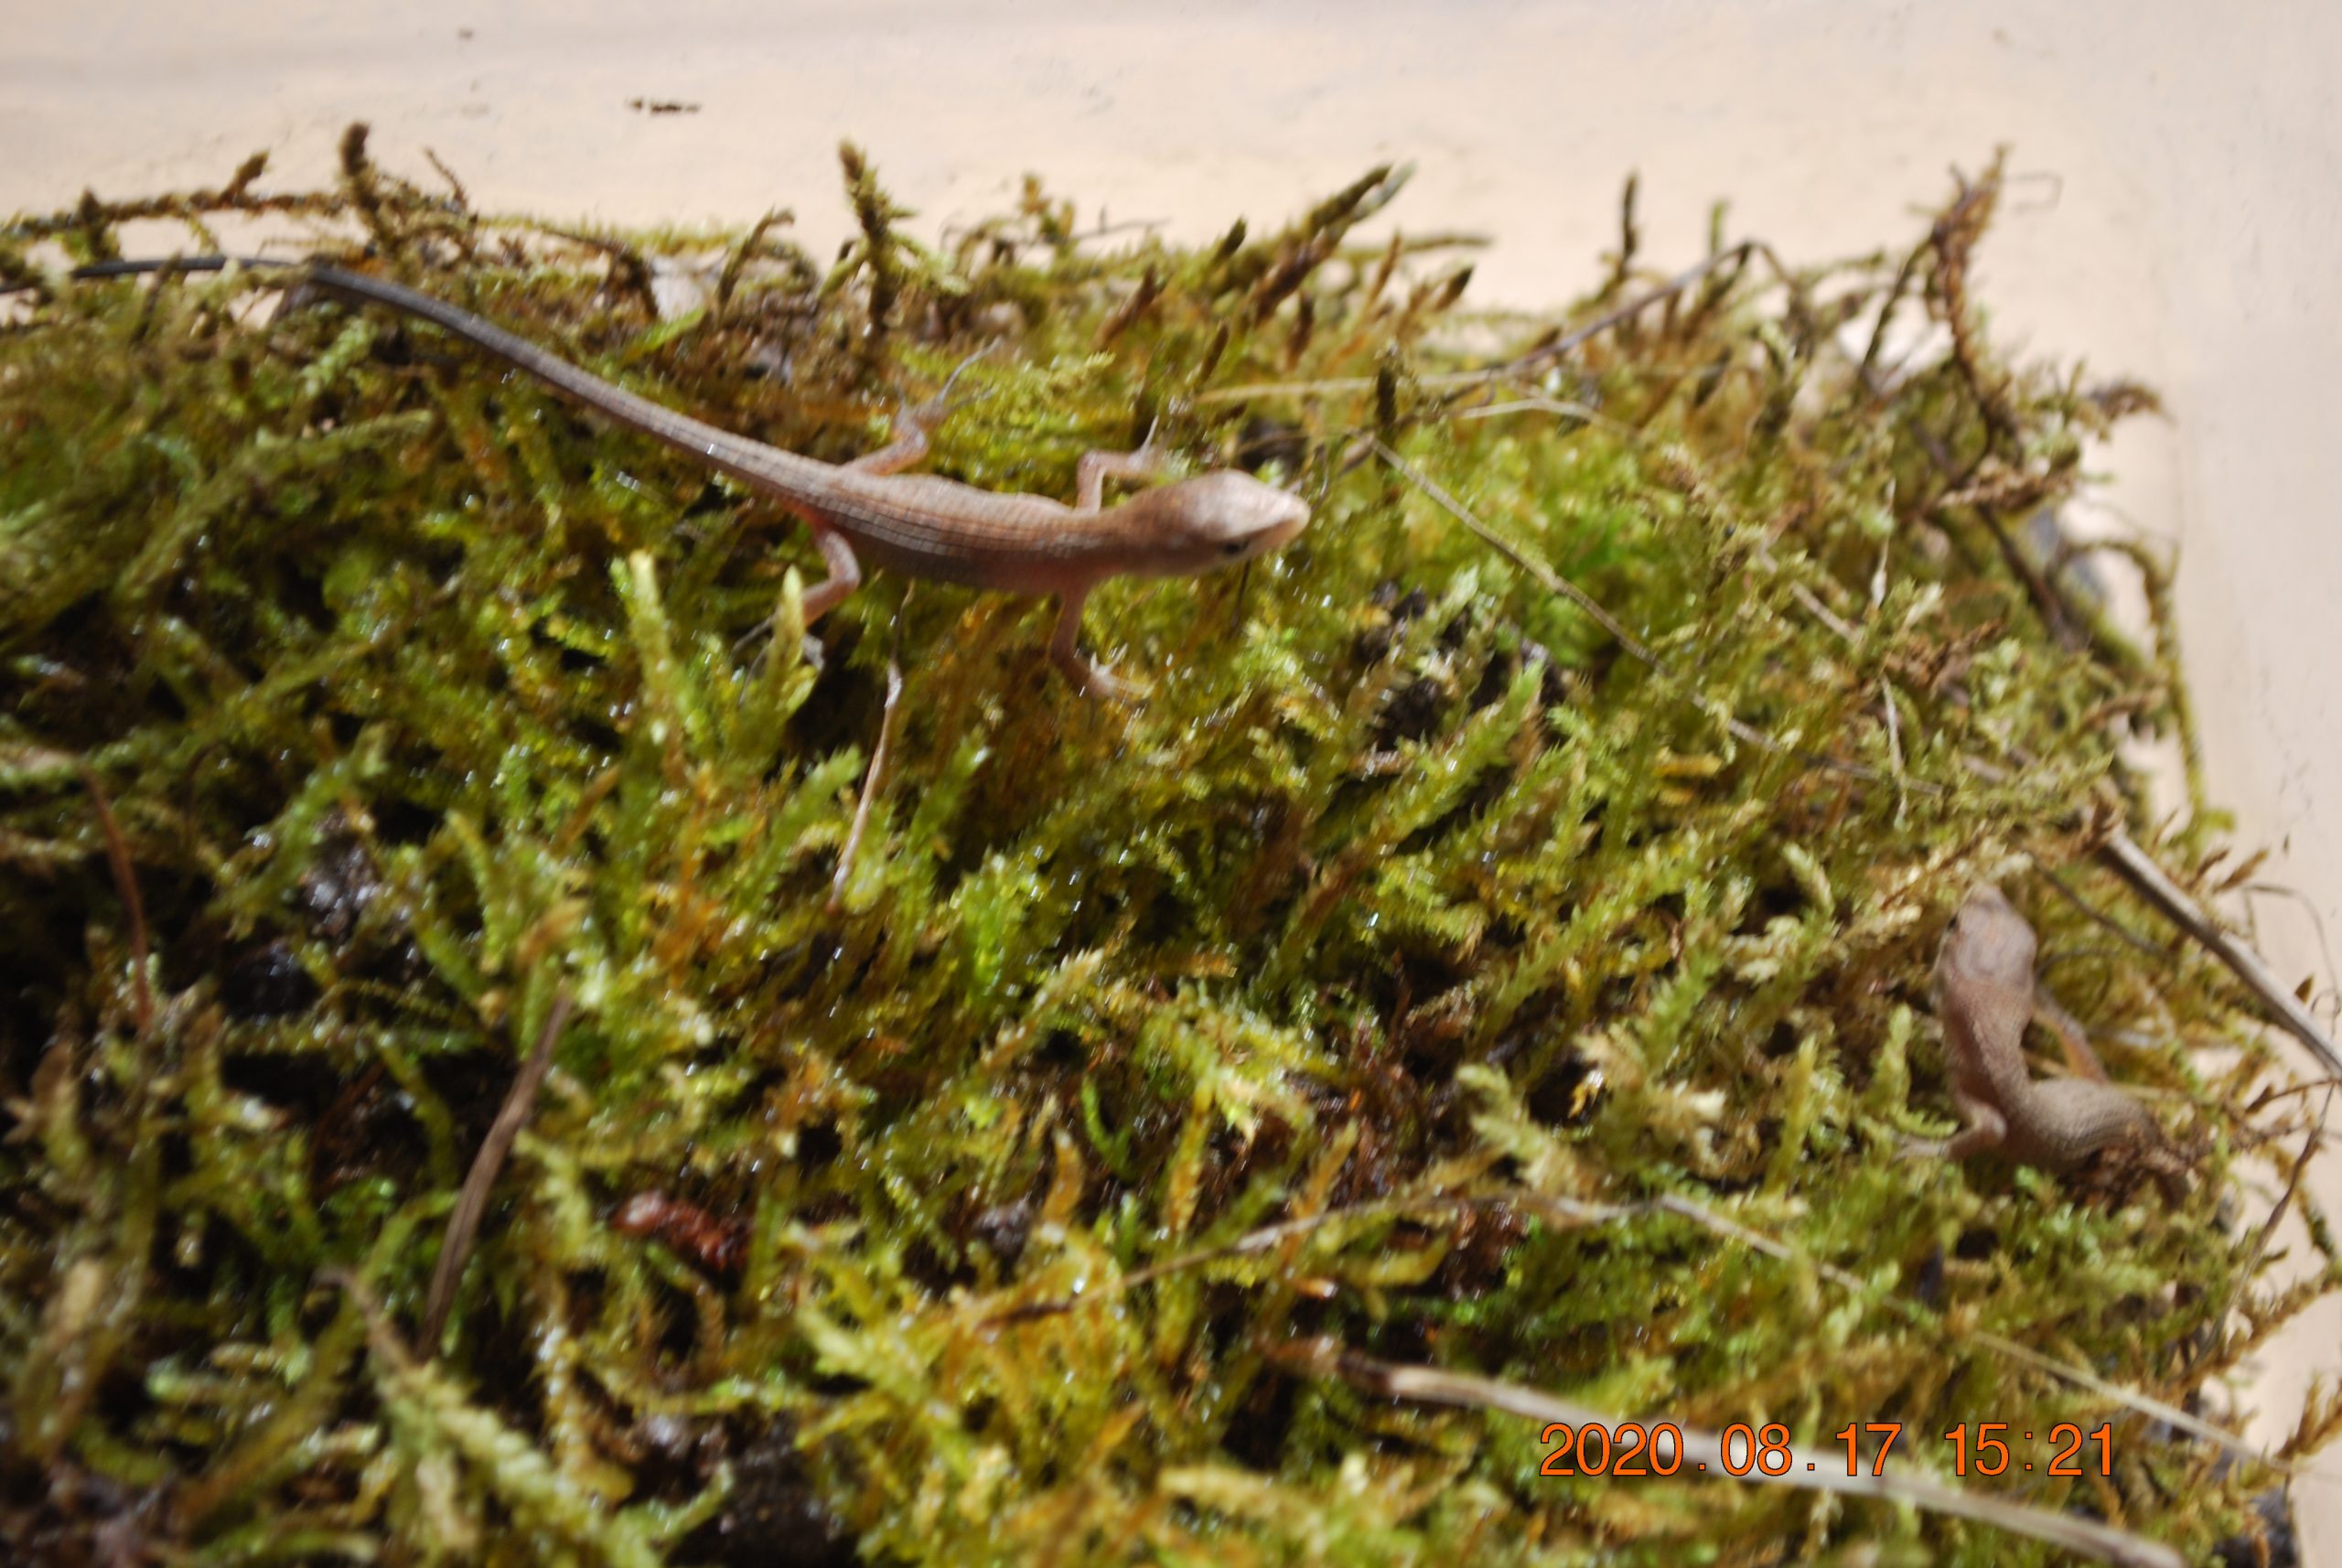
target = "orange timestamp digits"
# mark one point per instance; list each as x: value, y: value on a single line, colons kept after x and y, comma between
x: 2066, y: 1441
x: 1632, y: 1449
x: 1590, y: 1448
x: 1629, y: 1449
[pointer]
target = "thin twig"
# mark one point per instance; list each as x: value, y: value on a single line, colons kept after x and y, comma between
x: 2277, y: 1211
x: 2048, y: 600
x: 2163, y: 618
x: 1838, y: 626
x: 2135, y: 866
x: 1553, y: 582
x: 1894, y: 747
x: 382, y: 1334
x: 1817, y: 1469
x: 2132, y: 1398
x: 1258, y: 1240
x: 1886, y: 307
x: 1736, y: 254
x: 2057, y: 885
x: 1556, y: 405
x: 2309, y: 908
x: 461, y: 197
x: 126, y: 883
x: 2268, y: 1096
x: 875, y: 776
x: 1567, y: 1212
x: 1630, y: 237
x: 463, y: 1224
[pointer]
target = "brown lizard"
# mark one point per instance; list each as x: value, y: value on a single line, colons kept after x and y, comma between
x: 1985, y: 992
x: 916, y: 524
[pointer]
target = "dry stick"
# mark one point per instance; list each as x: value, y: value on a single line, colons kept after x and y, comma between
x: 2147, y: 879
x: 2268, y: 1096
x: 2132, y: 1398
x: 463, y: 1225
x: 2302, y: 901
x: 456, y: 193
x: 1584, y: 412
x: 125, y: 885
x: 1266, y: 1236
x: 2048, y: 600
x: 1813, y: 1470
x: 1970, y: 195
x: 1894, y: 748
x: 231, y: 199
x: 1954, y: 238
x: 1949, y: 240
x: 1630, y: 237
x: 875, y: 776
x: 382, y: 1336
x: 2098, y: 915
x: 870, y: 782
x: 1572, y: 1211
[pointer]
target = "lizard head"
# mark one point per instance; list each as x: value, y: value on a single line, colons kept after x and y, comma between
x: 1215, y: 519
x: 1988, y: 940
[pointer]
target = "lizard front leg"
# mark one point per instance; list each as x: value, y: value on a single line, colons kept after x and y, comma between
x: 1986, y: 1129
x: 1089, y: 677
x: 1090, y: 475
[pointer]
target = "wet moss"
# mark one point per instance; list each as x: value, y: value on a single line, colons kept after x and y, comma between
x: 1307, y: 1001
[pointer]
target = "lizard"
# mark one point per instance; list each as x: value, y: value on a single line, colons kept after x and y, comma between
x: 921, y: 525
x: 1985, y: 992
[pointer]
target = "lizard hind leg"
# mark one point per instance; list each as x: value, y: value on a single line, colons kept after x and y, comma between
x: 822, y: 597
x: 908, y: 447
x: 916, y: 422
x: 845, y: 573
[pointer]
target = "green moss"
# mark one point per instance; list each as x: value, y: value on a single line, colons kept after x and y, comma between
x: 1317, y: 998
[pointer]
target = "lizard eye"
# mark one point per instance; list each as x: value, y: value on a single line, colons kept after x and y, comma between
x: 1234, y: 547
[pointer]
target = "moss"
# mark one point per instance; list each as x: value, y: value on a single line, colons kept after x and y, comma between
x: 1418, y: 969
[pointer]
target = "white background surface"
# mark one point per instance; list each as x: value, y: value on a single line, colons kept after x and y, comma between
x: 2191, y: 235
